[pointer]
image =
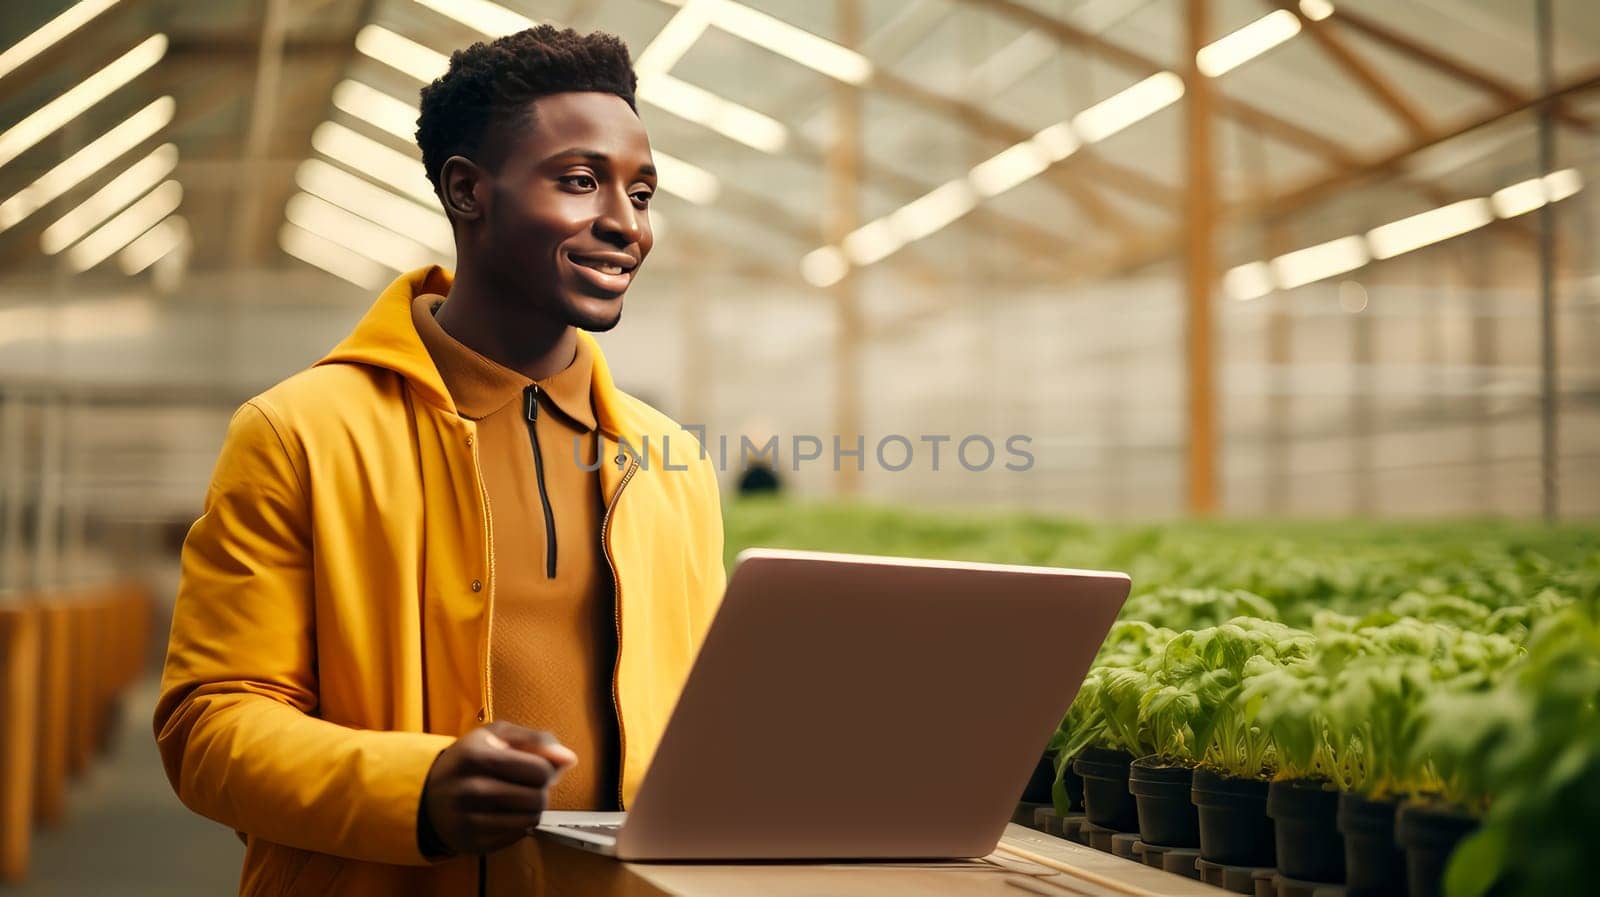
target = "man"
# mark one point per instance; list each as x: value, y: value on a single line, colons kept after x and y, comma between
x: 451, y: 575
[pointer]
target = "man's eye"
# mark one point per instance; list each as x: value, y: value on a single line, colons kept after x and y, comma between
x: 643, y: 196
x: 579, y: 180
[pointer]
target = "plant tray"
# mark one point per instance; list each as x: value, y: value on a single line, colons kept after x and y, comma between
x: 1283, y: 886
x: 1098, y: 836
x: 1177, y: 860
x: 1085, y: 872
x: 1072, y: 827
x: 1045, y: 819
x: 1238, y: 879
x: 1023, y: 815
x: 1124, y: 844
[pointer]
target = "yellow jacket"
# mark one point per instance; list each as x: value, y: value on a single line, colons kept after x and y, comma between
x: 331, y: 633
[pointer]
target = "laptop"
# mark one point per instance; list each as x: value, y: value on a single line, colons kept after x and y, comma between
x: 849, y: 707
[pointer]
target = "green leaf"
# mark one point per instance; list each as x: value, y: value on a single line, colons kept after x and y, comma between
x: 1477, y: 863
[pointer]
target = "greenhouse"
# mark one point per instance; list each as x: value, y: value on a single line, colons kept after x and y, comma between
x: 1068, y: 447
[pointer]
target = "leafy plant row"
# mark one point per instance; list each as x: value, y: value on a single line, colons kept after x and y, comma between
x: 1463, y: 696
x: 1449, y: 663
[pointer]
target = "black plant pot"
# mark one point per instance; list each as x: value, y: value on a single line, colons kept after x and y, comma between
x: 1234, y: 828
x: 1429, y: 834
x: 1167, y: 817
x: 1037, y: 791
x: 1106, y: 800
x: 1305, y: 825
x: 1073, y: 784
x: 1374, y: 866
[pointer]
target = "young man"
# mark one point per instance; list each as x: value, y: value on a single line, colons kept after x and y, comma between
x: 445, y: 578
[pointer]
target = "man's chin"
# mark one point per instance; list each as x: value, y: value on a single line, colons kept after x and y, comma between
x: 598, y: 320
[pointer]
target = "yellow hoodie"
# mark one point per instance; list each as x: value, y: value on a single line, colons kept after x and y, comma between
x: 332, y: 627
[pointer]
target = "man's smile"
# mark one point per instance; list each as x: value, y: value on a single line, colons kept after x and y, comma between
x: 611, y: 272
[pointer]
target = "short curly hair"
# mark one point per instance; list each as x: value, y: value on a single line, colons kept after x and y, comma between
x: 491, y: 84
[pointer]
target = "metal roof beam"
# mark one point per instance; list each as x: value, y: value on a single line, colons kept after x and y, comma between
x: 974, y: 119
x: 1066, y: 33
x: 1162, y: 246
x: 1420, y: 52
x: 263, y: 117
x: 1359, y: 69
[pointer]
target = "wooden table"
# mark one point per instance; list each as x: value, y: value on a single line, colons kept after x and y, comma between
x: 1026, y: 862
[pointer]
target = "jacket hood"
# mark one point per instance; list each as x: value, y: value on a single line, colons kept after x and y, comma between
x: 386, y: 338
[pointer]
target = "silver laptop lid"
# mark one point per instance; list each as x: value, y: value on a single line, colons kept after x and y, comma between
x: 847, y: 706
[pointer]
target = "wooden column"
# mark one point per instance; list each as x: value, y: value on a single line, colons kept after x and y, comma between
x: 1279, y: 487
x: 14, y: 489
x: 844, y: 184
x: 1363, y: 414
x: 1549, y: 390
x: 1114, y: 448
x: 1200, y: 217
x: 47, y: 496
x: 1478, y: 261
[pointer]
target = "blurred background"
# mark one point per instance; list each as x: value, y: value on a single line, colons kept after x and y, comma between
x: 1208, y: 258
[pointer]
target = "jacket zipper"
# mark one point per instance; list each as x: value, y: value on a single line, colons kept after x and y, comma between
x: 616, y: 614
x: 486, y: 713
x: 531, y: 406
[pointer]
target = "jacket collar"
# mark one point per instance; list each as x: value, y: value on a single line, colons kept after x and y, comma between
x: 386, y: 337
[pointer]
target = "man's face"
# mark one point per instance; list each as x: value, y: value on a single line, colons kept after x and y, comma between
x: 567, y: 222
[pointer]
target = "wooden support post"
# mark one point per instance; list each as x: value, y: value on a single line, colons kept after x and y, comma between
x: 1278, y: 487
x: 74, y: 504
x: 1200, y: 218
x: 1549, y: 390
x: 1478, y: 260
x: 47, y: 497
x: 13, y: 489
x: 1363, y: 419
x: 844, y: 164
x: 1114, y: 449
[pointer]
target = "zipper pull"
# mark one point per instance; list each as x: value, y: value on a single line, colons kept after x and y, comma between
x: 531, y: 403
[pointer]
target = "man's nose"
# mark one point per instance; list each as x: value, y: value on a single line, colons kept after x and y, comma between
x: 619, y: 221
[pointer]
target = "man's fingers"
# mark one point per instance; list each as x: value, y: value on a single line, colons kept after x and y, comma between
x: 488, y: 822
x: 521, y: 737
x: 483, y: 794
x: 516, y: 767
x: 531, y: 741
x: 491, y: 831
x: 559, y: 754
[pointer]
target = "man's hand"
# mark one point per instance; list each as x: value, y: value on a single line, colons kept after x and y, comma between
x: 488, y: 789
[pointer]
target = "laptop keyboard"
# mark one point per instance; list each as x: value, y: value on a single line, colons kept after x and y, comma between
x: 599, y: 828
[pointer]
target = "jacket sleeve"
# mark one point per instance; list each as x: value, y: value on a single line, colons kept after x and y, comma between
x: 237, y: 718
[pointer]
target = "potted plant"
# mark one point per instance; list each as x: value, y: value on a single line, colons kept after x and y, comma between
x: 1302, y: 799
x: 1161, y: 780
x: 1085, y: 739
x: 1230, y: 783
x: 1148, y: 722
x: 1037, y: 790
x: 1524, y: 751
x: 1090, y: 734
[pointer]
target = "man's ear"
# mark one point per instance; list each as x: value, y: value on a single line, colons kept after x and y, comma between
x: 461, y: 183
